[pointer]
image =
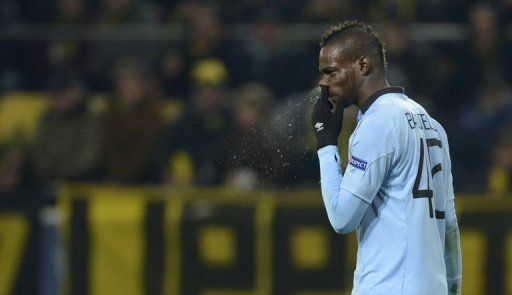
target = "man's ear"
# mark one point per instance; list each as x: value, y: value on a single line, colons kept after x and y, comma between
x: 364, y: 65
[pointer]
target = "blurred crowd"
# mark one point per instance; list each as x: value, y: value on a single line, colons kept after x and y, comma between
x: 213, y: 110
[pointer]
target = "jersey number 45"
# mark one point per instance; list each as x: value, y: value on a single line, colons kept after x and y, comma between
x: 426, y: 193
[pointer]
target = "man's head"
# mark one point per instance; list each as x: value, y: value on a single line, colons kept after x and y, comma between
x: 351, y: 57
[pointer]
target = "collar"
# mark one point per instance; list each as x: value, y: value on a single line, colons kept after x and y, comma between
x: 372, y: 98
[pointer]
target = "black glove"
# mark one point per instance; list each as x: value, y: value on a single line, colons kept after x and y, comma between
x: 325, y: 121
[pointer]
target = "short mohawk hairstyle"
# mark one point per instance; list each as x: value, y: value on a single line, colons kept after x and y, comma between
x: 364, y: 40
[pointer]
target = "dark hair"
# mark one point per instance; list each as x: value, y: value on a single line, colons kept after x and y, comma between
x: 359, y: 38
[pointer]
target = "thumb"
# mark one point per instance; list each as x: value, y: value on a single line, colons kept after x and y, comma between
x: 340, y: 107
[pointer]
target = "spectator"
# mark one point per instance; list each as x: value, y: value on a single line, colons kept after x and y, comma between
x: 409, y: 67
x: 67, y: 146
x: 123, y: 11
x: 275, y: 62
x: 132, y: 124
x: 119, y: 14
x: 327, y: 10
x: 505, y: 9
x: 72, y: 11
x: 388, y: 10
x: 499, y: 177
x: 208, y: 37
x: 174, y: 73
x: 406, y: 67
x: 205, y: 122
x: 248, y: 161
x: 442, y: 70
x: 11, y: 12
x: 207, y: 33
x: 245, y: 10
x: 484, y: 53
x: 17, y: 181
x: 69, y: 56
x: 211, y: 57
x: 476, y: 132
x: 440, y: 11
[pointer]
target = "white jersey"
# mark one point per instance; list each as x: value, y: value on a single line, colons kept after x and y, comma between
x: 399, y: 163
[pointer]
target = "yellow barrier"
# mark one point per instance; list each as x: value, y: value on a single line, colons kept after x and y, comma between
x: 20, y: 113
x: 13, y: 239
x: 132, y: 240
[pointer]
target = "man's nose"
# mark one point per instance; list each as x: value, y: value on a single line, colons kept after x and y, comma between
x: 323, y: 82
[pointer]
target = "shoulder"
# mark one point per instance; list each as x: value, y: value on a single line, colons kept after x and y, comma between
x: 388, y: 121
x: 443, y: 136
x: 439, y: 127
x: 387, y: 112
x: 376, y: 132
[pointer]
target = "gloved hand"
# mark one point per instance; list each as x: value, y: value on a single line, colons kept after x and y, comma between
x: 325, y: 121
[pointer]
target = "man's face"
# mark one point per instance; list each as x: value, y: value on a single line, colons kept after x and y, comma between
x: 338, y: 73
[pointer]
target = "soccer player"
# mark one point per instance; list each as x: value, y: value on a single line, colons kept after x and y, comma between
x: 397, y: 190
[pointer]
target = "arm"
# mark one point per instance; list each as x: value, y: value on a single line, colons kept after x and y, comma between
x: 452, y: 252
x: 344, y: 209
x: 347, y: 202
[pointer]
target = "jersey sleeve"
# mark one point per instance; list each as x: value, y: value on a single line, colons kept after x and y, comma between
x: 448, y: 164
x: 371, y: 154
x: 344, y: 210
x: 452, y: 251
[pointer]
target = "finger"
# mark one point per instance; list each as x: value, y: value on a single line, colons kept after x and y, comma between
x: 324, y: 97
x: 324, y: 94
x: 314, y: 95
x: 318, y: 109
